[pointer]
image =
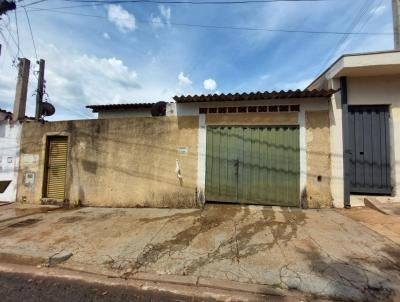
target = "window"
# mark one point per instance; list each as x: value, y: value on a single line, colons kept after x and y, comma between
x: 262, y: 108
x: 283, y: 108
x: 252, y: 109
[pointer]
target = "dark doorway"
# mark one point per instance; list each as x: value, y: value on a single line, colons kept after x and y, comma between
x: 369, y: 150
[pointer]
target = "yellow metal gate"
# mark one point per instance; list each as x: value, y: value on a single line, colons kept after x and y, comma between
x: 56, y: 169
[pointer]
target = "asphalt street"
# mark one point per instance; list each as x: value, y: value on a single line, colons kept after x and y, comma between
x: 24, y: 287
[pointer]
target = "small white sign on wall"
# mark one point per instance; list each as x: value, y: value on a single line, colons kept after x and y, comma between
x: 29, y: 179
x: 183, y: 150
x: 29, y: 159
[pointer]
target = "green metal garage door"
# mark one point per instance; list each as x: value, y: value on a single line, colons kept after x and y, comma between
x: 253, y: 165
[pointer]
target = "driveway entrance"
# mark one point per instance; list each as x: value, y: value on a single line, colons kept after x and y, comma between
x: 253, y: 165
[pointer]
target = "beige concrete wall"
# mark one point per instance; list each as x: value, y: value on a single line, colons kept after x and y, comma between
x: 145, y: 112
x: 318, y: 188
x: 115, y: 162
x: 275, y: 118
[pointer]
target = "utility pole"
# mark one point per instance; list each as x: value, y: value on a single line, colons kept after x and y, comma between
x: 396, y: 23
x: 40, y: 90
x: 21, y: 90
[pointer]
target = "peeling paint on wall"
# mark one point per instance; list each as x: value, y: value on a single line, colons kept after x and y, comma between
x: 9, y: 158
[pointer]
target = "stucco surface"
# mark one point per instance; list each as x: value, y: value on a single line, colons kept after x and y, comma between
x: 124, y: 113
x: 118, y: 162
x: 10, y: 133
x: 316, y: 251
x: 318, y: 188
x: 276, y: 118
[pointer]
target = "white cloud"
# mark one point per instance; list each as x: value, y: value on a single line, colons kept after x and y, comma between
x: 210, y: 84
x: 7, y: 88
x: 124, y: 20
x: 165, y: 12
x: 184, y: 80
x: 156, y: 22
x: 106, y: 36
x: 163, y: 18
x: 379, y: 10
x: 265, y: 77
x: 75, y: 80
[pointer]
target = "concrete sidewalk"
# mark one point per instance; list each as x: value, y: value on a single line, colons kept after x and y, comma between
x: 9, y: 211
x: 319, y: 252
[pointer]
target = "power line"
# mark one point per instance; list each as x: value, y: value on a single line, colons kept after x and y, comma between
x: 35, y: 2
x: 96, y: 3
x: 364, y: 9
x: 13, y: 39
x: 101, y: 2
x: 370, y: 16
x: 16, y: 24
x: 30, y: 29
x: 218, y: 27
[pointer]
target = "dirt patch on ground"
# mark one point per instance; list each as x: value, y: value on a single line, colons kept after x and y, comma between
x: 69, y: 219
x: 24, y: 223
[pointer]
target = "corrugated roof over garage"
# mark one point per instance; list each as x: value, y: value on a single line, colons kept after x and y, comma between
x: 290, y: 94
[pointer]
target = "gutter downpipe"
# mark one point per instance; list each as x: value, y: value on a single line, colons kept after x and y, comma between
x: 346, y: 143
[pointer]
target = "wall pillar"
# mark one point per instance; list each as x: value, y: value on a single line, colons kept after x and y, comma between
x: 336, y: 136
x: 201, y: 160
x: 303, y: 152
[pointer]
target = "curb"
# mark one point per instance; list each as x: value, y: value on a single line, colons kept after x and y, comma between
x: 220, y: 294
x: 50, y: 209
x: 22, y: 259
x: 199, y: 282
x: 39, y: 265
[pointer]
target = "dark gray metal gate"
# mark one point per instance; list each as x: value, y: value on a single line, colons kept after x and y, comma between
x: 369, y: 150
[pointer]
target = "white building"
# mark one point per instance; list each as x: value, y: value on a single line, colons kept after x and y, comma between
x: 10, y: 134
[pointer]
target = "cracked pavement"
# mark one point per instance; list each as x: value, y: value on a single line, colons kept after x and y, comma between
x: 319, y: 252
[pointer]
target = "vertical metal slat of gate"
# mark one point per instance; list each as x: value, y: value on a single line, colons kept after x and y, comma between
x: 370, y: 150
x: 253, y: 165
x: 56, y: 167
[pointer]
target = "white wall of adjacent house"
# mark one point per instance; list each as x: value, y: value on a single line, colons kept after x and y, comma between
x: 376, y: 90
x: 10, y: 134
x: 336, y: 137
x: 382, y: 90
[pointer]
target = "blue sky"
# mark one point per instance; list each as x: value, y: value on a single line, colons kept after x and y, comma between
x: 141, y: 52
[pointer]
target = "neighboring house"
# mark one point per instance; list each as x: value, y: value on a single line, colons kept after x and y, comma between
x: 365, y: 124
x: 10, y: 133
x: 5, y: 115
x: 272, y: 148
